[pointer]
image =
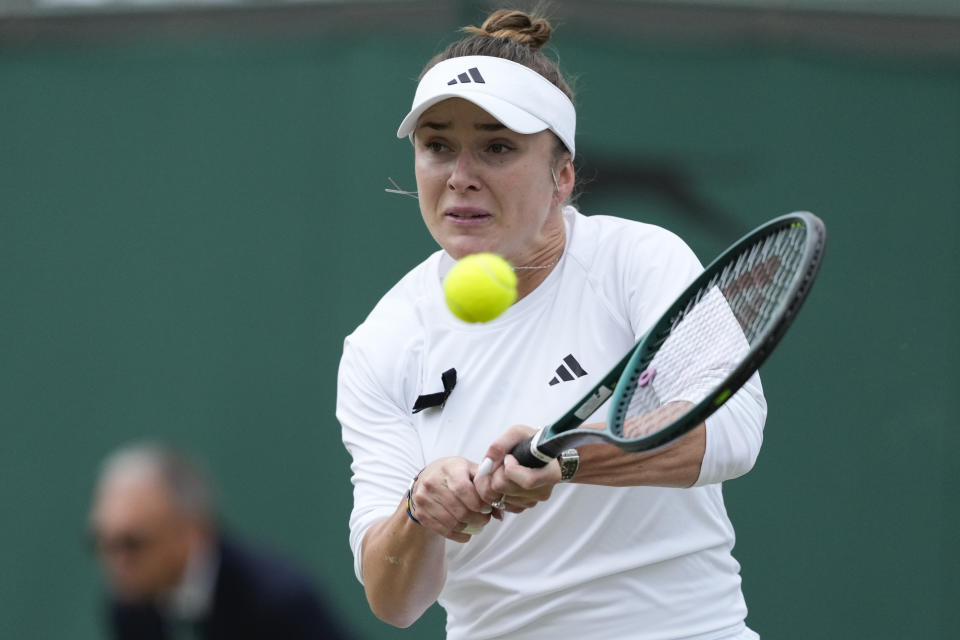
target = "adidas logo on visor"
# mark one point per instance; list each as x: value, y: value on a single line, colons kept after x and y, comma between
x: 466, y: 76
x: 563, y: 373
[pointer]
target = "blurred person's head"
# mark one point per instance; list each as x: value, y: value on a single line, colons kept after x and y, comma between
x: 152, y: 510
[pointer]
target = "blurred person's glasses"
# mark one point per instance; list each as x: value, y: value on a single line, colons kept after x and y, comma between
x: 128, y: 543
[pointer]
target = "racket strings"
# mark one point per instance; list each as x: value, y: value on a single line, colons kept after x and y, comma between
x: 713, y: 332
x: 754, y: 294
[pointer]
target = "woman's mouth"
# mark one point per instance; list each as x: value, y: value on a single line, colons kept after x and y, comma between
x: 466, y: 215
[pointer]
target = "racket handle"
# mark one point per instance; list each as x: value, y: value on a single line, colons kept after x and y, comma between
x: 524, y: 453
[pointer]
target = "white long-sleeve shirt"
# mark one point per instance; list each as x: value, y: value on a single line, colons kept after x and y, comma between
x: 637, y: 562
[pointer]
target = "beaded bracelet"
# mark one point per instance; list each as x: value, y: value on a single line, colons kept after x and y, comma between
x: 410, y: 507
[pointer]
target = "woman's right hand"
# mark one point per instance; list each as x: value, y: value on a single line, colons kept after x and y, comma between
x: 445, y: 500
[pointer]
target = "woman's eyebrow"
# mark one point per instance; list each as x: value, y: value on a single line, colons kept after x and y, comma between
x: 480, y: 126
x: 437, y: 126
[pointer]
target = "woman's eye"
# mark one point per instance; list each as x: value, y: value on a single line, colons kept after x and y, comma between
x: 435, y: 146
x: 498, y: 148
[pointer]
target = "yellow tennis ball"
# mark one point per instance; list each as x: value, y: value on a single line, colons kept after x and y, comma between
x: 480, y: 287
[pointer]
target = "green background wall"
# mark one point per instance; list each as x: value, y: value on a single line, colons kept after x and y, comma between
x: 190, y: 226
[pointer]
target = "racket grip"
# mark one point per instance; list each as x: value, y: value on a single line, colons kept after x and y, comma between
x: 523, y: 452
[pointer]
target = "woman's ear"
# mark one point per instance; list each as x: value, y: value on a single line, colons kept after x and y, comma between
x: 564, y: 177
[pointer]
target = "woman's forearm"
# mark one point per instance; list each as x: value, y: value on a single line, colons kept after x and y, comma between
x: 403, y: 568
x: 677, y: 465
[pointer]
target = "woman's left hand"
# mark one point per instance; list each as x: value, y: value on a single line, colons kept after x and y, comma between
x: 518, y: 487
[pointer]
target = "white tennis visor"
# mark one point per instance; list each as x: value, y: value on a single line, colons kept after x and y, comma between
x: 517, y: 96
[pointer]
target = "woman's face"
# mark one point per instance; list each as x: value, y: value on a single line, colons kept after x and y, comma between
x: 483, y: 187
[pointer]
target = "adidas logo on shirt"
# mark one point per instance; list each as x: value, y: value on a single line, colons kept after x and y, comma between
x: 567, y: 374
x: 466, y: 76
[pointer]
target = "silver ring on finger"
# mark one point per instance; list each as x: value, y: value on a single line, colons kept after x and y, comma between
x: 498, y: 504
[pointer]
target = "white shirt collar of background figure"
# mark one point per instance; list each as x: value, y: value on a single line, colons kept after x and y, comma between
x: 192, y: 598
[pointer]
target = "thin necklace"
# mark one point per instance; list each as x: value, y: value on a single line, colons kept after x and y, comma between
x: 542, y: 266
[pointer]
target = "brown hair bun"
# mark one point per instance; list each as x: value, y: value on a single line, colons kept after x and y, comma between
x: 512, y: 35
x: 521, y: 27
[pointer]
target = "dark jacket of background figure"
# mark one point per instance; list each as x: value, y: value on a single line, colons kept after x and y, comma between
x: 255, y: 597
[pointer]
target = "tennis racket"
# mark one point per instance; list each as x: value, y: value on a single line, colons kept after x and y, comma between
x: 702, y: 350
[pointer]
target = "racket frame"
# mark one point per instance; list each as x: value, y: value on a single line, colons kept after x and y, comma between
x: 618, y: 384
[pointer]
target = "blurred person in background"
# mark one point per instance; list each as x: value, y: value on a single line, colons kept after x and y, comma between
x: 174, y: 574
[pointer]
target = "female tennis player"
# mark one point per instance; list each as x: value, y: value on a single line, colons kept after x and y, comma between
x: 619, y: 545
